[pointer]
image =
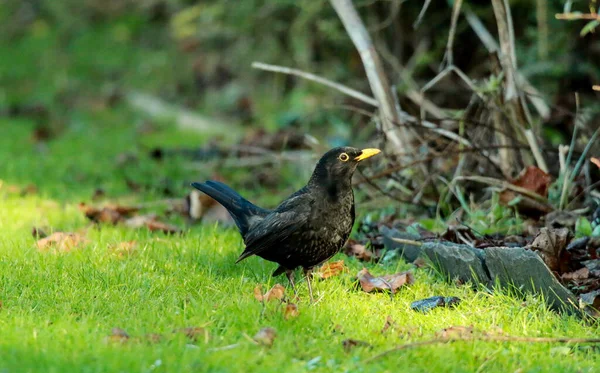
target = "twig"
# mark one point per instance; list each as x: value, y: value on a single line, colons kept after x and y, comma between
x: 577, y: 16
x: 406, y: 242
x: 505, y: 185
x: 315, y: 78
x: 360, y: 96
x: 421, y: 14
x: 499, y: 338
x: 375, y: 73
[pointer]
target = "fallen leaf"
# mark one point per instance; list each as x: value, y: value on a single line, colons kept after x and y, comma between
x: 349, y: 344
x: 266, y: 336
x: 534, y: 179
x: 124, y: 248
x: 459, y: 332
x: 331, y: 269
x: 277, y: 292
x: 387, y: 282
x: 118, y: 335
x: 151, y: 222
x: 290, y: 311
x: 359, y: 251
x: 427, y: 304
x: 549, y: 244
x: 595, y: 161
x: 61, y: 242
x: 420, y: 262
x: 580, y: 274
x: 389, y: 324
x: 112, y: 214
x: 193, y: 333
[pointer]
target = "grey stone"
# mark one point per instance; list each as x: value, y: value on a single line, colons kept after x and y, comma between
x: 406, y: 251
x: 525, y: 270
x: 457, y: 261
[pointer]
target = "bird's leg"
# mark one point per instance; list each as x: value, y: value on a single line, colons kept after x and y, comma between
x: 308, y: 274
x: 290, y: 275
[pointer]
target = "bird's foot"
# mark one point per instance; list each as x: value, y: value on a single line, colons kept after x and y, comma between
x: 308, y: 274
x: 290, y: 275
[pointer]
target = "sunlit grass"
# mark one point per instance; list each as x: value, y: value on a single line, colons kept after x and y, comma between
x: 58, y: 309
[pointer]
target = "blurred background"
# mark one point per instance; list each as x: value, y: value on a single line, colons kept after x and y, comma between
x: 118, y: 98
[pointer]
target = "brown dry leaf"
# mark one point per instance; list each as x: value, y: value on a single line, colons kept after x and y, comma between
x: 550, y: 243
x: 151, y: 222
x: 194, y: 333
x: 594, y: 160
x: 580, y: 274
x: 534, y: 179
x: 359, y: 251
x: 349, y: 344
x: 389, y: 324
x: 331, y: 269
x: 61, y: 242
x: 460, y: 332
x: 387, y: 282
x: 124, y: 248
x: 290, y: 311
x: 111, y: 214
x: 117, y: 335
x: 420, y: 262
x: 266, y: 336
x: 277, y: 292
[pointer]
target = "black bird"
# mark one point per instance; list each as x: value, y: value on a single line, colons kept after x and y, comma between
x: 307, y: 228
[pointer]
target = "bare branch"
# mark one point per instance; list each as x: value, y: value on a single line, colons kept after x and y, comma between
x: 375, y: 73
x: 315, y: 78
x: 577, y: 16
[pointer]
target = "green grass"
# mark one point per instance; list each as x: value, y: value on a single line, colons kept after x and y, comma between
x: 58, y: 308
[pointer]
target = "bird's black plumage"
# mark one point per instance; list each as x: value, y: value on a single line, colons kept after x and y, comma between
x: 308, y: 227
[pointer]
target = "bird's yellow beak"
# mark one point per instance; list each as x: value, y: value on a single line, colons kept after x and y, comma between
x: 367, y: 153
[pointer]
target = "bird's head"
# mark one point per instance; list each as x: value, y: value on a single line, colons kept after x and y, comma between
x: 338, y: 164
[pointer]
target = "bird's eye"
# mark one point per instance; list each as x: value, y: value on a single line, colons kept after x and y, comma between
x: 343, y: 157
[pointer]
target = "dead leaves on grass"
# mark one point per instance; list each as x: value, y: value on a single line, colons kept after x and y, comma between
x: 392, y: 282
x: 61, y: 242
x: 277, y: 292
x: 331, y: 269
x: 126, y: 215
x: 192, y: 334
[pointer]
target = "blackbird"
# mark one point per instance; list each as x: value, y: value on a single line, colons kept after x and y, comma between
x: 308, y: 227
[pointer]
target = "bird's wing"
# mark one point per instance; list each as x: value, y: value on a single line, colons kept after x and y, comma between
x: 290, y: 216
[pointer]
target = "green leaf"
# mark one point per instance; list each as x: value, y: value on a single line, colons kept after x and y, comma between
x: 583, y: 227
x: 589, y: 27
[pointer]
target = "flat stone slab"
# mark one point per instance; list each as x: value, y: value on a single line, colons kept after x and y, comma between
x: 525, y: 270
x: 409, y: 252
x: 457, y: 261
x: 513, y: 267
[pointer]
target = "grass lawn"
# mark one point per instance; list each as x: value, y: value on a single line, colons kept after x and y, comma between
x: 57, y: 309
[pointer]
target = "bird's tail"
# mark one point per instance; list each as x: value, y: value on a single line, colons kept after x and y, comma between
x: 240, y: 209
